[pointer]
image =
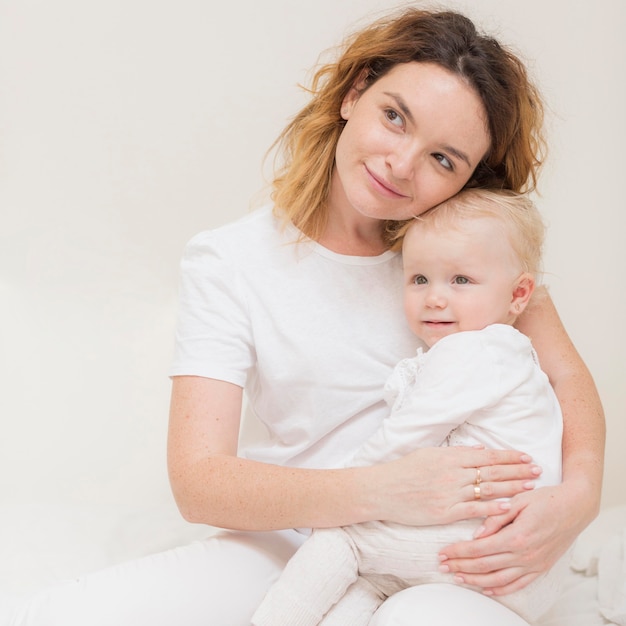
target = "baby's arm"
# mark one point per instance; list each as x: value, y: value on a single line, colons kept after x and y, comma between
x: 455, y: 380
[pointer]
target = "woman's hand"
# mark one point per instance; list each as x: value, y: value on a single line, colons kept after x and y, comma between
x: 517, y: 546
x: 436, y: 485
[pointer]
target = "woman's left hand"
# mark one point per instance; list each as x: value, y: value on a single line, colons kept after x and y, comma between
x: 518, y: 545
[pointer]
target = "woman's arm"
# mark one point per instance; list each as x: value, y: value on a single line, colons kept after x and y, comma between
x: 214, y: 486
x: 542, y: 525
x: 583, y: 416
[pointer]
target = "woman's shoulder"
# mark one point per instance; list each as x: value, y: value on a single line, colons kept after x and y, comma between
x: 254, y: 225
x: 258, y: 234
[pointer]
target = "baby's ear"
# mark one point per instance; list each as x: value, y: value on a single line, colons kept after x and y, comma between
x: 522, y: 290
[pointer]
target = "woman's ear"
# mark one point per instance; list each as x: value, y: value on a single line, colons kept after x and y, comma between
x: 353, y: 95
x: 522, y: 290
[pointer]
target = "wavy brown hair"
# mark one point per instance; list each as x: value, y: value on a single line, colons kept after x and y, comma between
x: 512, y: 102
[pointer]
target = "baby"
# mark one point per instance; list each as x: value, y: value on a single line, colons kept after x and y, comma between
x: 469, y: 271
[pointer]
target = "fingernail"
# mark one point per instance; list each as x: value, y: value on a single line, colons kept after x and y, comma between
x: 444, y: 569
x: 529, y: 484
x: 536, y: 470
x: 505, y: 506
x: 459, y: 579
x: 487, y: 592
x: 479, y: 531
x: 443, y: 557
x: 526, y: 459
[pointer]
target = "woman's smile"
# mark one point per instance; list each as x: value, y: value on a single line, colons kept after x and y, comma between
x: 386, y: 188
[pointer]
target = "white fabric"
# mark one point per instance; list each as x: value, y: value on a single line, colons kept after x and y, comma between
x: 583, y: 601
x: 311, y: 334
x: 217, y: 581
x: 472, y: 387
x: 439, y: 604
x: 443, y: 605
x: 380, y: 560
x: 599, y: 561
x: 612, y: 579
x: 477, y: 387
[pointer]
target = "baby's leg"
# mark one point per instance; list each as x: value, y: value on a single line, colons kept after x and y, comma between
x: 357, y: 605
x: 219, y: 580
x: 315, y: 578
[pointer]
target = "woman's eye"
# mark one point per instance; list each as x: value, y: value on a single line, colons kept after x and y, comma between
x: 394, y: 117
x: 461, y: 280
x: 420, y: 280
x: 445, y: 162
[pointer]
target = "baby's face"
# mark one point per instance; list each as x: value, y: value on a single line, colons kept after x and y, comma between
x: 458, y: 278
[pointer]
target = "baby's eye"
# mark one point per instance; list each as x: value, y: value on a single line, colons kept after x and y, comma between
x: 461, y: 280
x: 445, y: 162
x: 394, y: 117
x: 420, y: 280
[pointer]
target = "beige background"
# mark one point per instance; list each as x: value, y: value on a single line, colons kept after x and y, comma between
x: 126, y: 126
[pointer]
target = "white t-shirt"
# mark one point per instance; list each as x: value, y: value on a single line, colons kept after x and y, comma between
x: 310, y: 334
x: 474, y: 387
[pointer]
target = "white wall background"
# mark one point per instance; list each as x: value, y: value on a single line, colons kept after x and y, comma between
x: 126, y: 126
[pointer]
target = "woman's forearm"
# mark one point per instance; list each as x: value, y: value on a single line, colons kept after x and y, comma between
x: 583, y: 439
x: 429, y: 486
x: 212, y: 485
x: 583, y: 417
x: 231, y: 492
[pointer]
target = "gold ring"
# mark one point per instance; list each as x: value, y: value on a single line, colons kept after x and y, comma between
x: 478, y: 480
x: 476, y: 492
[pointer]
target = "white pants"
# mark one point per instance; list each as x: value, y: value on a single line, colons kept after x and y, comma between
x: 219, y: 582
x: 340, y: 576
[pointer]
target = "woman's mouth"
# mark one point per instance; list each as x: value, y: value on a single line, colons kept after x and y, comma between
x: 383, y: 186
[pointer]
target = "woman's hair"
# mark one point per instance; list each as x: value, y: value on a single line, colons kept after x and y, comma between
x: 513, y: 105
x: 521, y: 222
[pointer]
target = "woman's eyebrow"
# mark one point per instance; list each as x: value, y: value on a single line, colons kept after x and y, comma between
x: 401, y: 105
x: 407, y: 112
x: 458, y: 154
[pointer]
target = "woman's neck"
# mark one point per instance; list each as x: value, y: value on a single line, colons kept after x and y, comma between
x: 347, y: 231
x: 353, y: 242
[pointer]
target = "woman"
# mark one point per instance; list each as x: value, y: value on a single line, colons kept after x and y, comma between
x: 300, y: 305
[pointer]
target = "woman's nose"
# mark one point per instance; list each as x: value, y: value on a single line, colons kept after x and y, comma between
x: 403, y: 160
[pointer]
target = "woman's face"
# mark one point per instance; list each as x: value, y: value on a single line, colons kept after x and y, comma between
x: 411, y: 140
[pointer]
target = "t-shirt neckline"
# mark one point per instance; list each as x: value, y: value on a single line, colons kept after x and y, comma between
x: 346, y: 259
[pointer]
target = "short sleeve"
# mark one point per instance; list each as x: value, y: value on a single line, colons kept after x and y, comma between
x: 213, y: 332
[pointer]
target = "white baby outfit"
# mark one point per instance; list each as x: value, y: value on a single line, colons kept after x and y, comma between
x: 478, y: 387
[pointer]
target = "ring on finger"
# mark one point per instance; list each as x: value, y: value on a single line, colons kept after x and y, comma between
x: 477, y: 491
x: 478, y: 479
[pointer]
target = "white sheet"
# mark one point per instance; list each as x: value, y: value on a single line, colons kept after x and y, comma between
x: 595, y: 591
x: 45, y: 543
x: 612, y: 578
